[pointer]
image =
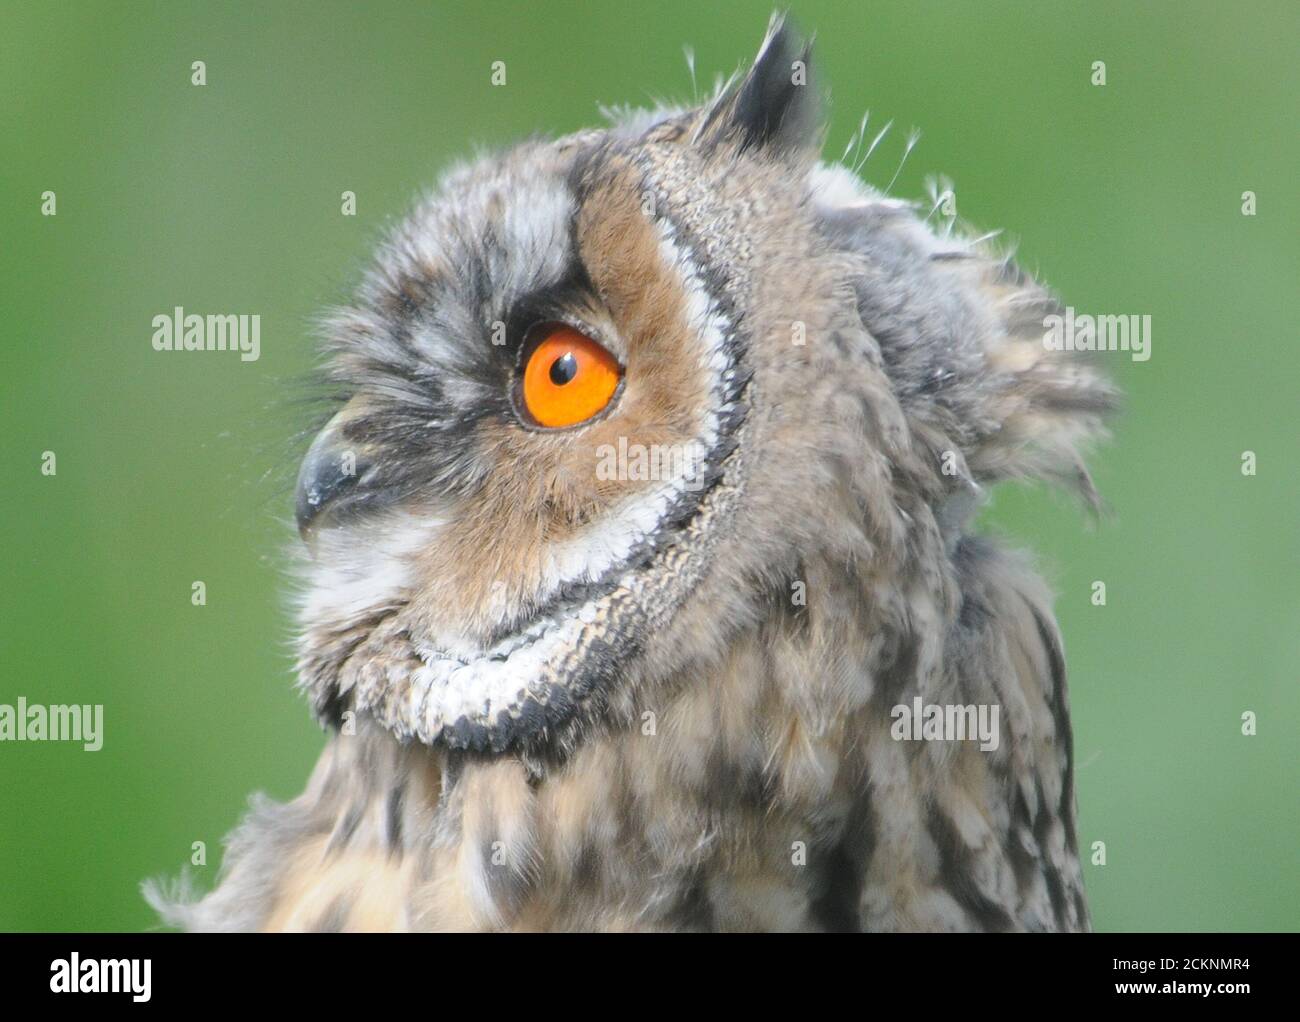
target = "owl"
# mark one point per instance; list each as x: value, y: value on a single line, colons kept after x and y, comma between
x: 640, y: 585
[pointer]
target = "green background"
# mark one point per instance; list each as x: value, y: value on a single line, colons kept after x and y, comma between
x: 171, y: 468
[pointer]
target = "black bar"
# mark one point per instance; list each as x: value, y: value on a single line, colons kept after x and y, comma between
x: 380, y: 972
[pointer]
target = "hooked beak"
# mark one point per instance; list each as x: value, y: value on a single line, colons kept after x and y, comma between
x: 333, y: 475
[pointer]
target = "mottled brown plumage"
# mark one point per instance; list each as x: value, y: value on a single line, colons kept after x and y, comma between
x: 560, y: 700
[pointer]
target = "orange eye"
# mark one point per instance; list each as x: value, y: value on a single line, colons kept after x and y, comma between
x: 568, y: 378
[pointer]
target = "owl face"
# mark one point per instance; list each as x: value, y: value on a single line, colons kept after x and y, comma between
x: 543, y: 443
x: 605, y: 395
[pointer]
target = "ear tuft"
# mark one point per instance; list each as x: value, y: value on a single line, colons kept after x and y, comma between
x: 775, y: 106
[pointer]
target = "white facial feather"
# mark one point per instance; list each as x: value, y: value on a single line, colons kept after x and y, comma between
x: 356, y: 571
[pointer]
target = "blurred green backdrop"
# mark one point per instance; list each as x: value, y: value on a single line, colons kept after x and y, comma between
x: 1126, y: 198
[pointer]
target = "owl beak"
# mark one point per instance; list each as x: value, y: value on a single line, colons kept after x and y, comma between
x: 329, y: 476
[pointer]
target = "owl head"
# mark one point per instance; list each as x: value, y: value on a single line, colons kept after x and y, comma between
x: 605, y: 397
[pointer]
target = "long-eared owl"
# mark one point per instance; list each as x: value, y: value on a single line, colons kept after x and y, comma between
x: 641, y: 589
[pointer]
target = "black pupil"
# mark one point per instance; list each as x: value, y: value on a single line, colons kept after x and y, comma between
x: 564, y: 369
